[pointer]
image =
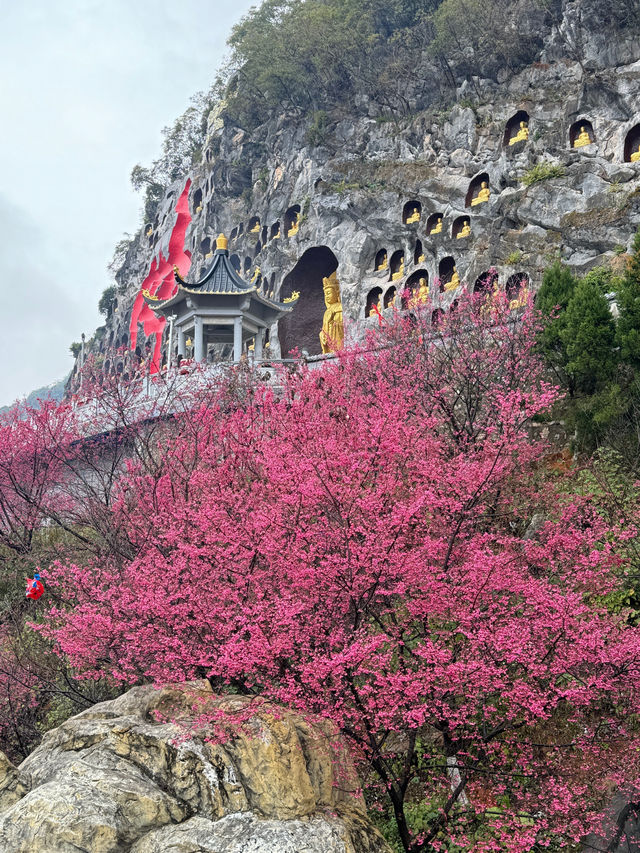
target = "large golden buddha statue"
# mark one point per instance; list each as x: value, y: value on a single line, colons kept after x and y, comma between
x: 332, y: 332
x: 582, y: 138
x: 454, y: 283
x: 635, y: 156
x: 437, y: 228
x: 465, y: 231
x: 482, y: 196
x: 422, y: 295
x: 521, y: 135
x: 399, y: 272
x: 415, y: 216
x: 255, y: 229
x: 382, y: 263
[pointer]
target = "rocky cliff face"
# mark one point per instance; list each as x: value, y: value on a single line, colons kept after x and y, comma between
x: 117, y: 779
x: 355, y: 183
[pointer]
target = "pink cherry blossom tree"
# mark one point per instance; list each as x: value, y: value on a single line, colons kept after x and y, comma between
x: 379, y: 543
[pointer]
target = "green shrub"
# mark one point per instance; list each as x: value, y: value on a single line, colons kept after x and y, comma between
x: 542, y: 172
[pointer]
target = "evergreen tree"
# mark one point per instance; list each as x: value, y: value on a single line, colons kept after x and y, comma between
x: 629, y: 307
x: 588, y: 335
x: 558, y: 285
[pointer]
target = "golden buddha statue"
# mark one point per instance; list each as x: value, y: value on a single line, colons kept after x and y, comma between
x: 382, y: 265
x: 454, y: 283
x: 422, y: 295
x: 420, y: 259
x: 295, y: 225
x: 198, y: 208
x: 276, y: 236
x: 437, y: 228
x: 582, y: 138
x: 255, y: 229
x: 415, y: 216
x: 465, y: 231
x: 635, y: 156
x: 520, y: 300
x: 332, y: 332
x: 482, y: 196
x: 522, y: 134
x: 256, y: 274
x: 399, y: 272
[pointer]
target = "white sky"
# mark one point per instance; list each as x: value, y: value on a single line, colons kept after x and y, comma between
x: 86, y: 87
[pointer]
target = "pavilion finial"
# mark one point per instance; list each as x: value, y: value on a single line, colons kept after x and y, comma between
x: 221, y: 242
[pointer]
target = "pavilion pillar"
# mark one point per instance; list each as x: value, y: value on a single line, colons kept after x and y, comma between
x: 198, y: 339
x: 237, y: 338
x: 259, y: 345
x: 182, y: 343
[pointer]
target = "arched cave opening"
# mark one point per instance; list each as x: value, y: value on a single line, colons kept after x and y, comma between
x: 418, y: 254
x: 396, y: 265
x: 292, y: 220
x: 411, y: 212
x: 581, y: 133
x: 516, y: 286
x: 301, y: 328
x: 390, y: 297
x: 461, y: 227
x: 516, y: 129
x: 373, y: 298
x: 380, y: 262
x: 478, y: 191
x: 434, y: 224
x: 485, y: 282
x: 446, y: 269
x: 275, y: 231
x: 254, y: 225
x: 632, y: 145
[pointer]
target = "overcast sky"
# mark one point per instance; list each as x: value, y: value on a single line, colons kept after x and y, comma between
x: 86, y: 88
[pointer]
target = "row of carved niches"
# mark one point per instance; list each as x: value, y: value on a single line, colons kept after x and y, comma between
x: 417, y: 289
x: 581, y: 134
x: 263, y: 233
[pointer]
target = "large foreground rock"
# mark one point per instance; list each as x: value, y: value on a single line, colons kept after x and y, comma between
x: 137, y: 774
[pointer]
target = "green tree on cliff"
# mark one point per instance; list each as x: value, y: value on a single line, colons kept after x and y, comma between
x: 558, y: 285
x: 629, y: 308
x: 588, y: 336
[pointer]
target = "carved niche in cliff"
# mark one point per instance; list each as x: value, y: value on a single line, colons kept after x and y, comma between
x: 632, y: 145
x: 478, y: 191
x: 581, y: 133
x: 517, y: 129
x: 485, y: 282
x: 446, y: 272
x: 413, y: 286
x: 396, y: 265
x: 380, y: 262
x: 301, y: 327
x: 373, y: 298
x: 411, y: 212
x: 434, y: 224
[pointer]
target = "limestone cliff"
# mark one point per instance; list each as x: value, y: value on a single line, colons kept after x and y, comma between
x: 354, y: 185
x: 119, y: 778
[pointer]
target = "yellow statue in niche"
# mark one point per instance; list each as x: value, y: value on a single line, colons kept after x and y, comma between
x: 383, y: 263
x: 520, y: 300
x: 256, y: 274
x: 256, y: 228
x: 437, y: 228
x: 582, y: 139
x: 399, y: 273
x: 332, y: 332
x: 482, y: 196
x: 415, y: 216
x: 454, y: 283
x: 295, y: 225
x: 635, y: 155
x: 420, y: 259
x: 422, y: 295
x: 464, y: 231
x: 522, y: 135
